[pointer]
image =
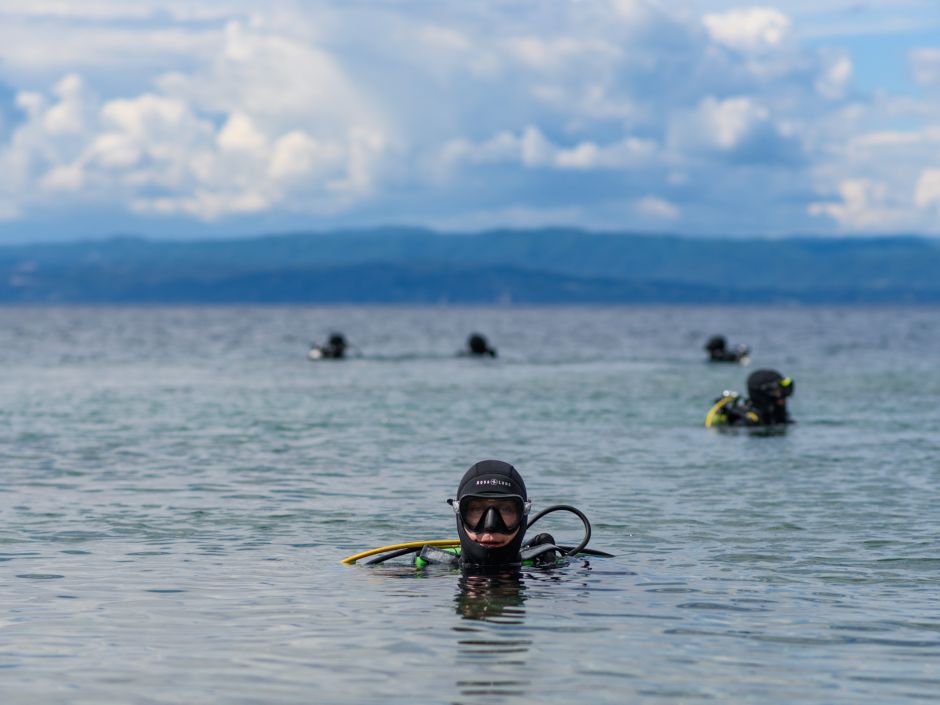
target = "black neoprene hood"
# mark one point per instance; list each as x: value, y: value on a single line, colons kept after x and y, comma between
x: 716, y: 343
x: 492, y: 478
x: 764, y: 386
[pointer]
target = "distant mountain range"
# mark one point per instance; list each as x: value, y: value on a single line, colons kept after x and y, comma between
x: 410, y: 265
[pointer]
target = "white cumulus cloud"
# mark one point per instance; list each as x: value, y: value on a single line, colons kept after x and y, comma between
x: 865, y: 206
x: 67, y: 115
x: 927, y: 194
x: 531, y: 148
x: 604, y: 112
x: 833, y: 81
x: 269, y: 119
x: 739, y: 128
x: 239, y: 134
x: 657, y: 208
x: 748, y: 29
x: 926, y: 65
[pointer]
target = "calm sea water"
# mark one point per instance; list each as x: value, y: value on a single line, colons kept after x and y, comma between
x: 178, y: 487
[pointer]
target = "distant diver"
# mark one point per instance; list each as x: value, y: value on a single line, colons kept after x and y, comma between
x: 492, y: 514
x: 479, y: 346
x: 718, y: 351
x: 766, y: 406
x: 334, y: 349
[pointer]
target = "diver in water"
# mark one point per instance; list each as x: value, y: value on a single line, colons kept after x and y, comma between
x: 478, y: 346
x: 718, y: 351
x: 492, y: 509
x: 334, y: 349
x: 492, y: 514
x: 766, y: 404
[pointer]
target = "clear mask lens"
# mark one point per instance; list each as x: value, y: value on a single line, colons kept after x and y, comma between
x: 493, y: 514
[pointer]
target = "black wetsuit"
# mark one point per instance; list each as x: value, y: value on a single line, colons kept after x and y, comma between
x: 726, y: 355
x: 744, y: 412
x: 538, y: 551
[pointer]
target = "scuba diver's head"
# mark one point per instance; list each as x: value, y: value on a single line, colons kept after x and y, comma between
x: 337, y: 344
x: 716, y: 343
x: 478, y: 344
x: 492, y: 508
x: 769, y: 386
x: 768, y: 391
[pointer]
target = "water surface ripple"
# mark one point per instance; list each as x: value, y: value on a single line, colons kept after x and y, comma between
x: 179, y: 485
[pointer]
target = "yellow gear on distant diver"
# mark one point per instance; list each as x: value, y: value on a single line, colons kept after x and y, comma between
x: 719, y: 405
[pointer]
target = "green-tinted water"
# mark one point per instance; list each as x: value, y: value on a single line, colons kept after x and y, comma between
x: 179, y: 485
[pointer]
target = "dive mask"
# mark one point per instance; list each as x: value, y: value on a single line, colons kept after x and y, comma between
x: 785, y: 387
x: 488, y: 514
x: 778, y: 388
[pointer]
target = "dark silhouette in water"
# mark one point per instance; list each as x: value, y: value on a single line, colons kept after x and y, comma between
x: 484, y: 596
x: 334, y: 349
x: 477, y: 345
x: 766, y: 404
x: 718, y: 351
x: 498, y: 599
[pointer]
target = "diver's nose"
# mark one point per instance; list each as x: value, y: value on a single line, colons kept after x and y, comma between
x: 492, y: 522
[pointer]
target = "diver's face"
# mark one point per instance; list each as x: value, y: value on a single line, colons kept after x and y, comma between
x: 492, y: 540
x: 510, y: 512
x: 473, y: 509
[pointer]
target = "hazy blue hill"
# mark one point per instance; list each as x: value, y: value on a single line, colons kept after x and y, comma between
x: 398, y: 264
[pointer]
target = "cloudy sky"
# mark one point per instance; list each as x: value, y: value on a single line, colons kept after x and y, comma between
x: 180, y: 119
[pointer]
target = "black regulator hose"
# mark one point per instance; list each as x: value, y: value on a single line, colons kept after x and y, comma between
x: 567, y: 551
x: 566, y: 508
x: 393, y: 554
x: 587, y: 552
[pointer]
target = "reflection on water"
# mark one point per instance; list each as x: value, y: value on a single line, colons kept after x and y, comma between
x: 493, y: 634
x: 755, y: 431
x: 492, y: 597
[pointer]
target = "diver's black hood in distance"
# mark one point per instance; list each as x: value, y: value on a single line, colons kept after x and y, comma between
x: 716, y: 343
x: 764, y: 390
x: 490, y: 478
